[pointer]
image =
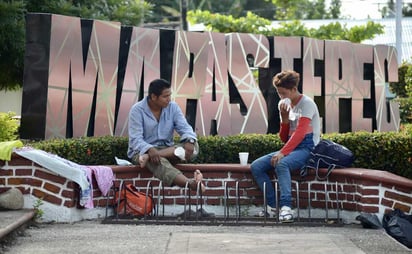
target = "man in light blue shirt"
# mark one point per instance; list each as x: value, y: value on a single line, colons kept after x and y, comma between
x: 152, y: 124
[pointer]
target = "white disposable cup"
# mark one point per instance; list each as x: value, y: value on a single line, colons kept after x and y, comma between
x: 243, y: 157
x: 180, y: 152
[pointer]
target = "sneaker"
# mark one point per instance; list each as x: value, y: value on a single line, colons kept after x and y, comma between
x: 270, y: 212
x: 286, y: 214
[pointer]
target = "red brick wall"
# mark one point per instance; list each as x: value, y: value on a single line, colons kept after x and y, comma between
x: 359, y: 190
x: 32, y: 179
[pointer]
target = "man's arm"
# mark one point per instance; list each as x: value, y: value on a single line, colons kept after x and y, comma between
x: 182, y: 127
x: 187, y: 136
x: 136, y: 131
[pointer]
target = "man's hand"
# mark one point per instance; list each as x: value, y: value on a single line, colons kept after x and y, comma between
x: 276, y: 158
x: 154, y: 155
x: 284, y: 112
x: 189, y: 149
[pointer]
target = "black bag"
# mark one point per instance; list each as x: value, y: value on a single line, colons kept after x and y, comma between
x: 369, y: 220
x: 399, y: 226
x: 330, y: 155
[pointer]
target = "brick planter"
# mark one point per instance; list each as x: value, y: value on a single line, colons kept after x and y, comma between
x: 353, y: 190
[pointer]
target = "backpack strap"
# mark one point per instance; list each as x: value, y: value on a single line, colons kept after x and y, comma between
x: 330, y: 168
x: 304, y: 170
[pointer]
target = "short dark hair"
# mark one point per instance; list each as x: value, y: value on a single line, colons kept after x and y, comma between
x: 286, y: 79
x: 157, y: 86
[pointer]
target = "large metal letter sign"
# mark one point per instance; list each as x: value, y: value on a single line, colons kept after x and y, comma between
x: 287, y: 49
x: 338, y: 82
x: 143, y: 64
x: 386, y: 70
x: 213, y: 109
x: 83, y: 66
x: 363, y: 57
x: 189, y: 70
x: 81, y: 78
x: 313, y: 71
x: 238, y: 47
x: 65, y: 52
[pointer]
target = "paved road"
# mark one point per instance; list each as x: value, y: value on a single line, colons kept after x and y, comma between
x: 95, y: 237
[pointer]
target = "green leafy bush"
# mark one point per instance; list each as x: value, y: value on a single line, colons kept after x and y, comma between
x: 87, y: 150
x: 400, y: 87
x: 8, y: 126
x: 403, y: 91
x: 388, y: 151
x: 405, y: 109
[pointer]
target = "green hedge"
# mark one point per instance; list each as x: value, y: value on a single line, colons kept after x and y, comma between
x: 88, y: 150
x: 405, y: 109
x: 389, y: 151
x: 8, y: 126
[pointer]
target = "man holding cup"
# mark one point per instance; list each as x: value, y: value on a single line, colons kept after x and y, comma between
x: 152, y: 123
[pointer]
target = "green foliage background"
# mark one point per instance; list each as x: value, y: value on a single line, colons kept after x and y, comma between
x: 388, y: 151
x: 8, y: 127
x: 252, y: 23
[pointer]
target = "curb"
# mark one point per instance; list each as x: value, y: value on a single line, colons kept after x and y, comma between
x: 28, y: 216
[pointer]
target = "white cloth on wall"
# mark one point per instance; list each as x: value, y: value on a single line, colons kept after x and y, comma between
x: 60, y: 166
x: 80, y: 174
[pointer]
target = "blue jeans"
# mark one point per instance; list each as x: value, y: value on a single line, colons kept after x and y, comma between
x: 293, y: 161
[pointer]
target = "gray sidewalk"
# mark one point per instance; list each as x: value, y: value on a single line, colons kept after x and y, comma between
x: 95, y: 237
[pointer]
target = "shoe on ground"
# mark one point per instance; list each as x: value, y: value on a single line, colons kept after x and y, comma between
x: 270, y: 212
x: 286, y: 214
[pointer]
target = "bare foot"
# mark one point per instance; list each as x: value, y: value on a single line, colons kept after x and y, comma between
x: 143, y: 159
x: 198, y: 176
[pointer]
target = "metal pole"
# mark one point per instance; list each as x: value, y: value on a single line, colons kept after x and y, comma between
x: 398, y: 17
x: 183, y: 12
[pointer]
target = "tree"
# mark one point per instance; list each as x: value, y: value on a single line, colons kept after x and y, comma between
x: 334, y: 9
x: 12, y: 45
x: 356, y: 34
x: 399, y: 88
x: 255, y: 24
x: 407, y: 10
x: 403, y: 91
x: 265, y: 9
x: 227, y: 23
x: 167, y: 10
x: 390, y: 9
x: 12, y: 26
x: 306, y: 9
x: 125, y: 11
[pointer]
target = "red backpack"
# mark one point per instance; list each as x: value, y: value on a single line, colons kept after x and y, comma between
x: 133, y: 202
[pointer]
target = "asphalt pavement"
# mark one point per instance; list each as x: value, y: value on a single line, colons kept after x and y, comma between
x: 93, y: 236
